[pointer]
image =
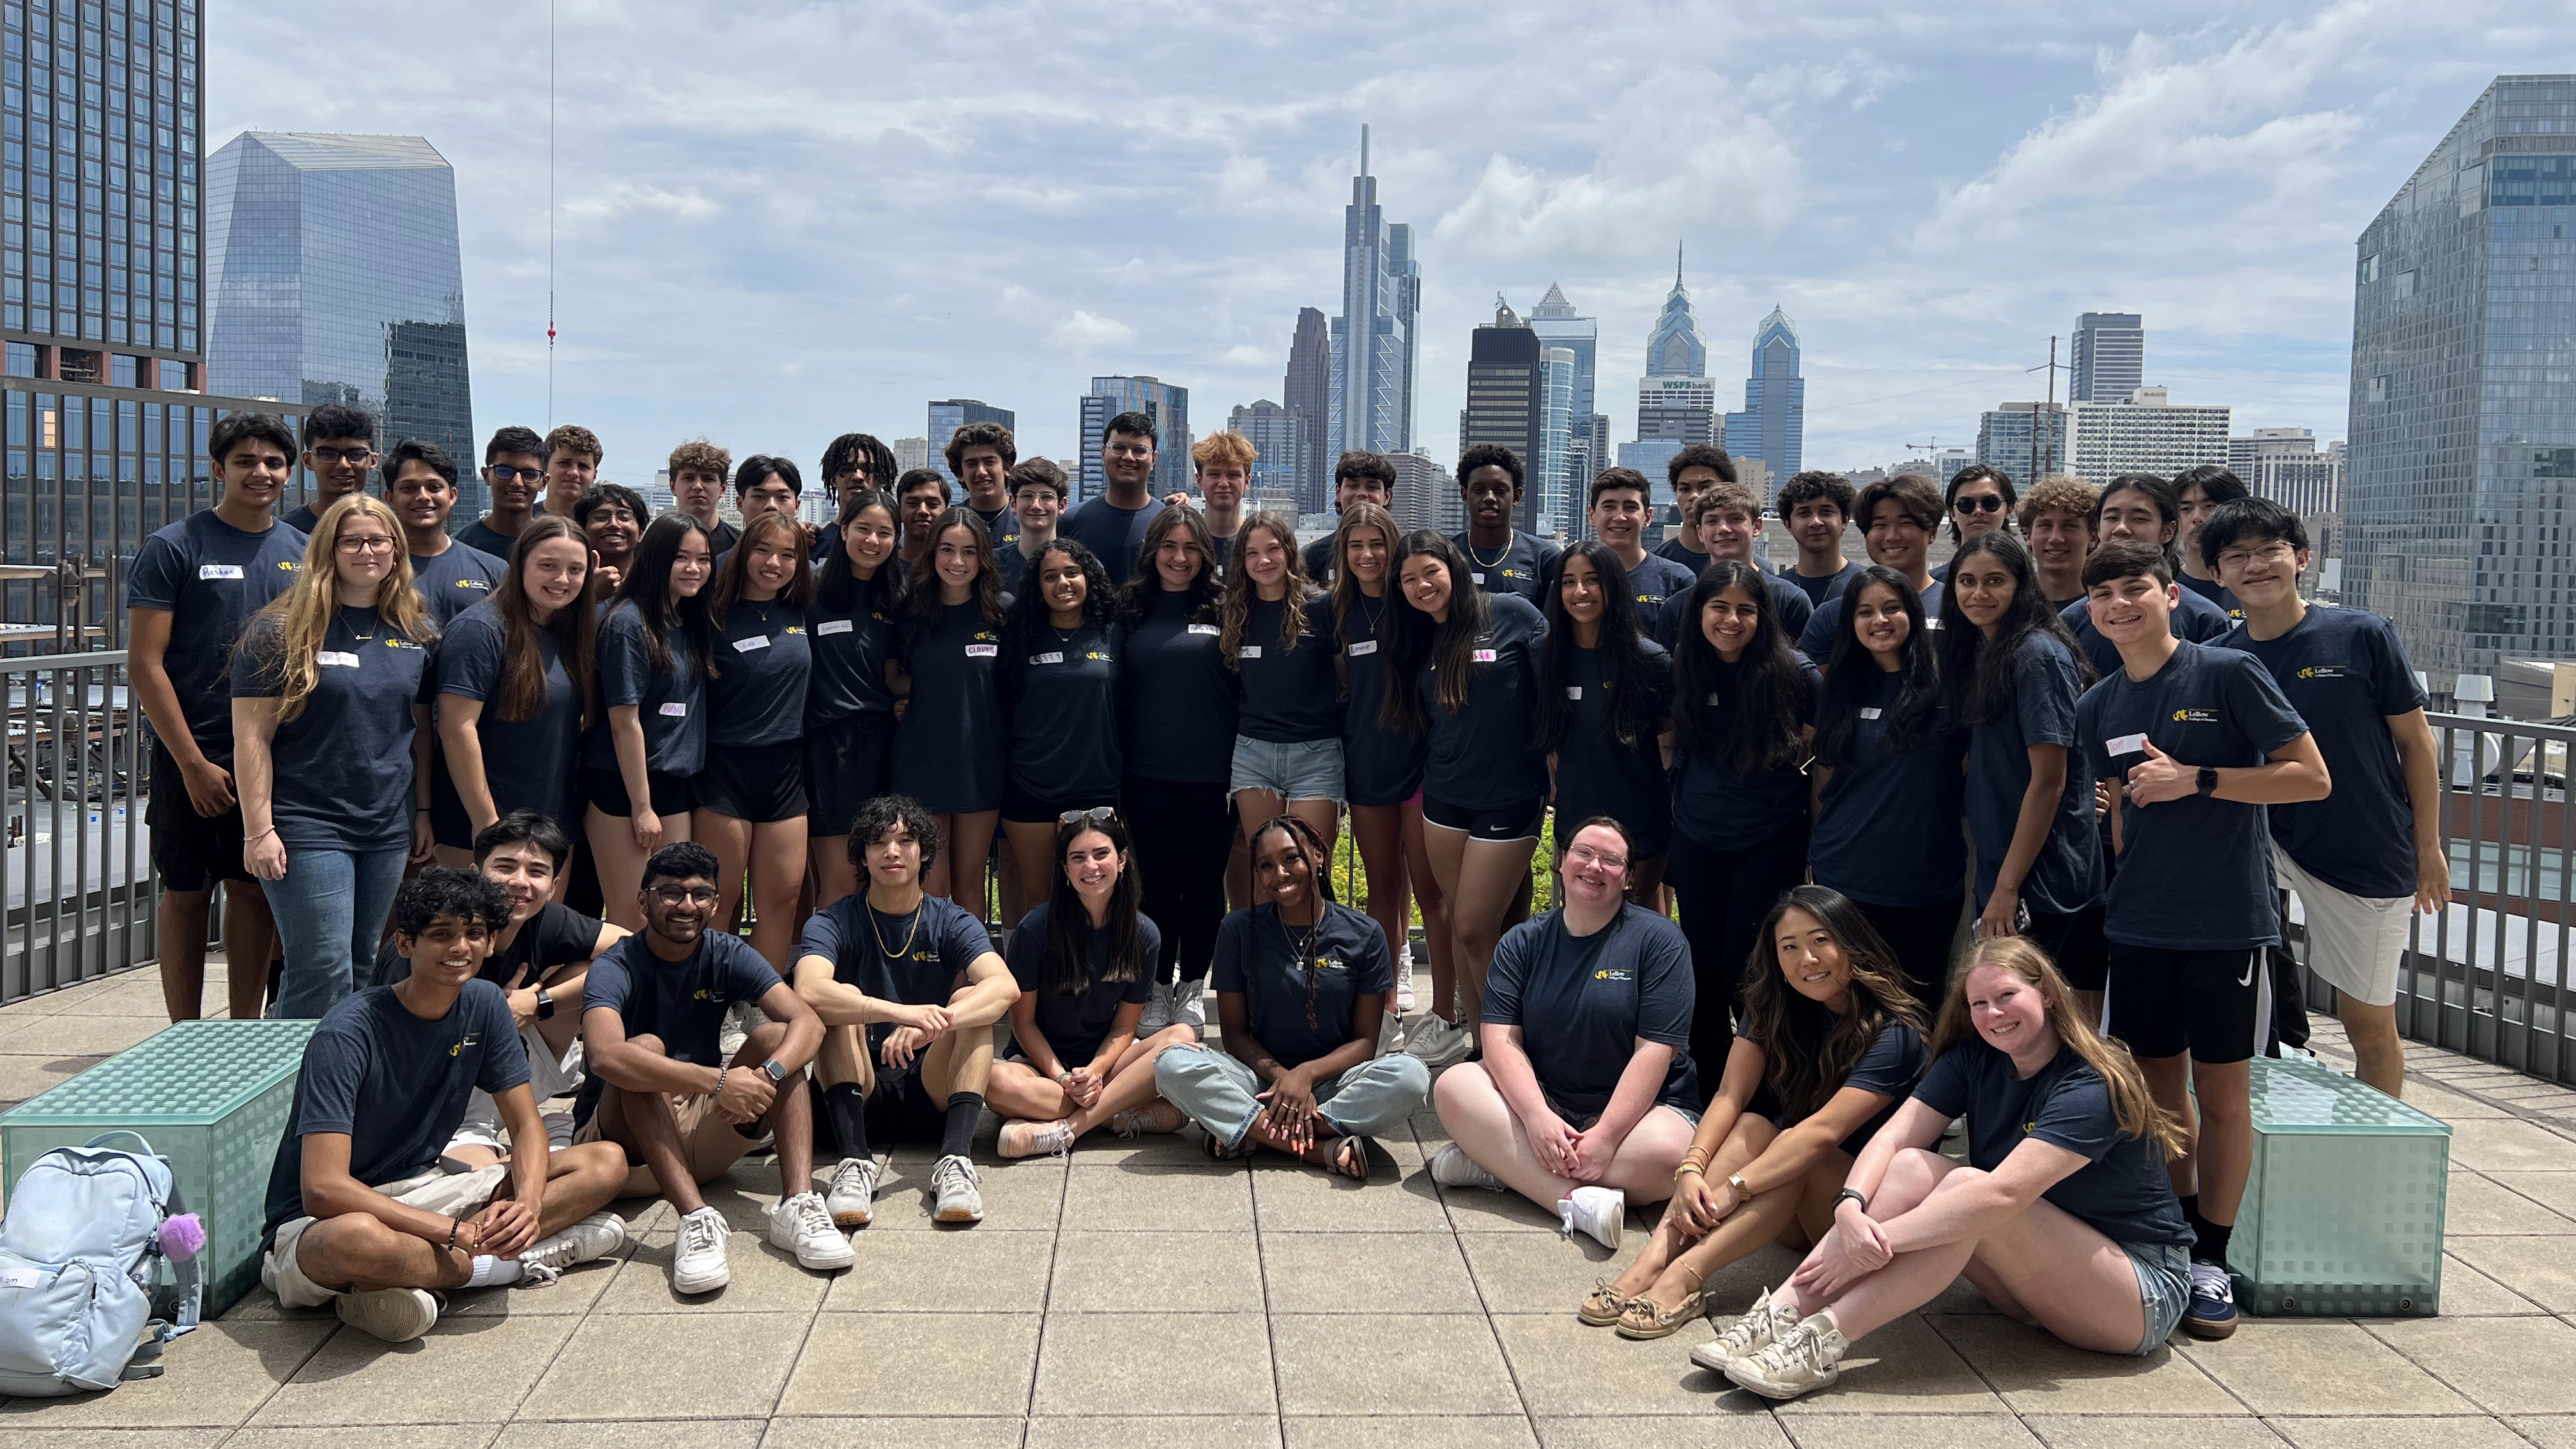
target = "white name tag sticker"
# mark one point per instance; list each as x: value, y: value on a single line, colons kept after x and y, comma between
x: 1052, y: 656
x: 1478, y: 577
x: 2126, y: 744
x: 21, y: 1278
x: 335, y: 659
x: 1932, y: 621
x: 219, y: 571
x: 1484, y: 656
x: 756, y: 641
x: 833, y: 626
x: 1209, y: 630
x: 676, y: 709
x: 1574, y: 691
x: 1251, y: 651
x: 1364, y: 646
x: 1869, y: 711
x: 983, y: 651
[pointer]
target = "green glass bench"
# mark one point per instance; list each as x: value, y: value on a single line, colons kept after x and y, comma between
x: 2343, y: 1209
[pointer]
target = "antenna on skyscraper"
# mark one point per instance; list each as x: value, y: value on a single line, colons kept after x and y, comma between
x: 1363, y: 148
x: 1677, y: 265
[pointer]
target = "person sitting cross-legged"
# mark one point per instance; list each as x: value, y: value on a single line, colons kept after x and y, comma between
x: 1301, y: 989
x: 2062, y: 1215
x: 360, y: 1216
x: 661, y: 1087
x: 908, y: 987
x: 1084, y: 961
x: 1586, y: 1096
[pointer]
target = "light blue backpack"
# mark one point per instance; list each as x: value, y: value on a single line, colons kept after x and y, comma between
x: 79, y: 1251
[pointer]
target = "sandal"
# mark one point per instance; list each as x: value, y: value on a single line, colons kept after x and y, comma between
x: 1218, y: 1152
x: 1605, y: 1305
x: 1350, y: 1159
x: 1646, y: 1318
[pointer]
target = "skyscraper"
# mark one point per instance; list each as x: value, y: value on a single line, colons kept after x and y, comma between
x: 1505, y: 401
x: 2110, y: 357
x: 1587, y: 430
x: 333, y: 276
x: 1675, y: 348
x: 2146, y: 433
x: 1167, y: 405
x: 1773, y: 425
x: 1676, y: 403
x: 1558, y: 453
x: 1426, y: 496
x: 948, y: 416
x: 2463, y: 411
x: 1307, y: 394
x: 1279, y: 451
x: 2025, y: 439
x: 1373, y: 346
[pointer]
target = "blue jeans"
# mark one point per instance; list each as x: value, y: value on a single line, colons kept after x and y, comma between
x: 1221, y: 1094
x: 330, y: 911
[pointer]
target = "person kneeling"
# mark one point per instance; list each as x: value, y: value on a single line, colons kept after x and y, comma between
x: 1301, y: 983
x: 359, y: 1214
x: 1585, y: 1097
x: 1831, y: 1047
x: 1084, y: 963
x: 661, y: 1087
x: 2063, y: 1216
x: 908, y: 987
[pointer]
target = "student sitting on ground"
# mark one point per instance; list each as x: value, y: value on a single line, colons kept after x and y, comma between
x: 1585, y: 1096
x: 908, y: 988
x: 359, y: 1214
x: 1301, y: 987
x: 1832, y: 1044
x: 662, y: 1088
x: 1084, y: 961
x: 2062, y: 1215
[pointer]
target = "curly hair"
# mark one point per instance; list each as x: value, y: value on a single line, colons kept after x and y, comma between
x: 1028, y: 619
x: 1240, y: 591
x: 980, y: 435
x: 2060, y: 493
x: 468, y: 896
x: 700, y: 456
x: 576, y: 439
x: 881, y: 813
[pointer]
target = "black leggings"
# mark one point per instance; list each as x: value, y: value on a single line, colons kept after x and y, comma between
x: 1920, y: 936
x: 1724, y: 895
x: 1183, y: 836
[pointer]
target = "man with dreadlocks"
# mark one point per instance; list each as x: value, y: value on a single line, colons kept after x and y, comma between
x: 1301, y: 983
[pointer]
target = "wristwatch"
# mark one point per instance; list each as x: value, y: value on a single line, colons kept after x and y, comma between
x: 1852, y: 1194
x: 545, y: 1005
x: 775, y: 1072
x: 1743, y: 1193
x: 2208, y: 781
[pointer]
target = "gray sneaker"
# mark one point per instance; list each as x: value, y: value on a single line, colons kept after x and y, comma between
x: 396, y: 1315
x: 1158, y: 1011
x: 1189, y: 1005
x: 955, y: 1182
x: 1440, y: 1043
x: 1807, y: 1358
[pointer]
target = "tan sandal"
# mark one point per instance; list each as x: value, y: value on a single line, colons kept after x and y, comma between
x: 1606, y: 1305
x: 1646, y: 1318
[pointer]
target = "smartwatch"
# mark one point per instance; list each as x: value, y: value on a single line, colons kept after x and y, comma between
x: 773, y: 1071
x: 545, y: 1005
x: 2207, y: 781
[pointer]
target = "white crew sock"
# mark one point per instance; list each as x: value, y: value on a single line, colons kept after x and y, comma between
x: 492, y: 1272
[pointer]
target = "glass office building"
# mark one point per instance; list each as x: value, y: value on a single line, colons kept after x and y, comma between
x: 99, y: 303
x: 2460, y: 475
x: 1773, y: 425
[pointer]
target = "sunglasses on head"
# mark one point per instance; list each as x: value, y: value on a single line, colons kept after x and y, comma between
x: 1096, y: 815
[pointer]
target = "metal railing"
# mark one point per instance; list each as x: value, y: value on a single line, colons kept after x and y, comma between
x: 81, y: 898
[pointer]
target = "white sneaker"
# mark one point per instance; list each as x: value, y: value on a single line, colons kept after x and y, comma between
x: 1404, y: 979
x: 1599, y: 1213
x: 698, y: 1258
x: 803, y: 1226
x: 954, y: 1180
x: 1806, y: 1358
x: 1759, y: 1326
x: 1158, y: 1011
x: 1452, y: 1167
x: 593, y: 1237
x: 1189, y: 1005
x: 1440, y: 1043
x: 396, y: 1315
x: 1028, y: 1139
x: 852, y: 1197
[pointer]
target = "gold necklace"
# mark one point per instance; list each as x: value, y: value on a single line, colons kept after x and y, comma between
x: 911, y: 931
x: 1480, y: 561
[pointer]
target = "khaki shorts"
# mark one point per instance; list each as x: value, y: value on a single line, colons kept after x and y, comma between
x: 708, y: 1142
x: 2355, y: 943
x: 455, y: 1195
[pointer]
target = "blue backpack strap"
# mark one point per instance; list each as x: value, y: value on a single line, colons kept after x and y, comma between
x: 104, y: 1138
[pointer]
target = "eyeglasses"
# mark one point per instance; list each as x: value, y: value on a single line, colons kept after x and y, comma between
x: 685, y: 895
x: 365, y: 545
x: 2240, y: 557
x: 333, y: 457
x: 504, y: 473
x: 1131, y: 450
x: 1096, y: 815
x: 1586, y: 855
x: 1979, y: 503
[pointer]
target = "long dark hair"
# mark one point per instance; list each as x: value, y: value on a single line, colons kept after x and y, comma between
x: 1137, y: 596
x: 1979, y: 675
x: 1068, y: 955
x: 523, y: 667
x: 1746, y: 714
x: 837, y: 584
x: 921, y: 588
x: 1636, y: 707
x: 1346, y: 590
x: 734, y: 577
x: 1026, y: 623
x: 647, y: 586
x: 1415, y: 643
x: 1807, y: 1051
x: 1853, y: 676
x: 1241, y: 592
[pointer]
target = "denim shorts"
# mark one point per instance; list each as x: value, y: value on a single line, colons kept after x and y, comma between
x: 1309, y: 770
x: 2164, y: 1288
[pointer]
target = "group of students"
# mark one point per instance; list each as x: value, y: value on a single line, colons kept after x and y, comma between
x: 1141, y: 694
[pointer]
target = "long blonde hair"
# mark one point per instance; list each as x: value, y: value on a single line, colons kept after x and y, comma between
x: 1240, y: 591
x: 303, y: 614
x: 2131, y: 1104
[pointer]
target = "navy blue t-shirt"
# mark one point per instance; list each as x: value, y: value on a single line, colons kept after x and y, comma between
x: 1890, y: 1066
x: 1002, y: 524
x: 210, y: 577
x: 850, y: 643
x: 1816, y: 641
x: 764, y: 655
x: 1074, y: 1026
x: 1176, y: 698
x: 1722, y: 810
x: 1319, y: 561
x: 454, y: 581
x: 1290, y: 696
x: 2195, y: 873
x: 1299, y: 1015
x: 2345, y: 672
x: 1524, y: 567
x: 1583, y: 1003
x: 1683, y: 554
x: 1888, y: 821
x: 1595, y: 774
x: 1064, y: 715
x: 557, y: 935
x: 397, y: 1084
x: 1660, y: 588
x: 670, y: 704
x: 1483, y: 757
x: 1379, y: 766
x: 528, y: 763
x: 2197, y: 619
x: 952, y: 742
x: 2067, y: 875
x: 483, y: 539
x: 1115, y: 534
x: 1823, y: 586
x: 2122, y: 1192
x: 682, y: 1002
x: 2216, y: 593
x: 916, y: 958
x: 341, y: 775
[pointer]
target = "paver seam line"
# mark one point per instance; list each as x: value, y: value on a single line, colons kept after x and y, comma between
x: 277, y: 1385
x: 2425, y: 1369
x: 1046, y: 1301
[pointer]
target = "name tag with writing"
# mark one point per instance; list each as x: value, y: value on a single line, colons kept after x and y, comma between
x: 1209, y: 630
x: 756, y: 641
x: 676, y: 709
x: 1052, y: 656
x: 335, y: 659
x: 1364, y: 646
x: 1484, y: 656
x: 1574, y: 691
x: 1869, y: 711
x: 983, y: 651
x: 219, y: 571
x: 2126, y: 744
x: 833, y: 626
x: 1251, y: 651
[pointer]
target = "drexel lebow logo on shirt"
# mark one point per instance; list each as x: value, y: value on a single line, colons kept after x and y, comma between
x: 1614, y: 973
x: 2195, y: 716
x: 2324, y: 671
x: 471, y: 1038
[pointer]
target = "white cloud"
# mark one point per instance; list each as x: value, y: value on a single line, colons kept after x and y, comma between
x: 1084, y: 333
x: 626, y: 198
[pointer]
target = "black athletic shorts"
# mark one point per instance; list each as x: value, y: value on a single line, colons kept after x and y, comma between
x: 763, y: 784
x: 2164, y: 1003
x: 606, y: 789
x: 847, y: 763
x: 190, y: 852
x: 2075, y: 942
x: 900, y: 1110
x: 1512, y: 822
x: 1019, y: 806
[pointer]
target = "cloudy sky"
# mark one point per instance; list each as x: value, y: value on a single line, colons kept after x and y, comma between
x: 773, y: 222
